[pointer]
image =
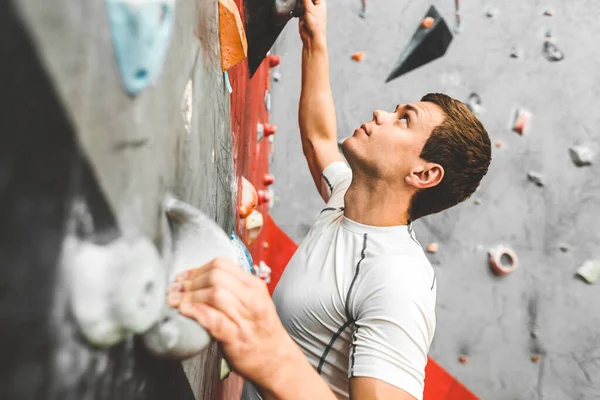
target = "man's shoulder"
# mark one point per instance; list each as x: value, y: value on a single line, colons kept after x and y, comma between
x: 409, y: 271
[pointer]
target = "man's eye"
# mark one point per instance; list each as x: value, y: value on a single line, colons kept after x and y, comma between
x: 405, y: 118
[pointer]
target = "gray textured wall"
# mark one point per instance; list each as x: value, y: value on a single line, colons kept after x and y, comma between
x: 137, y: 149
x: 488, y: 318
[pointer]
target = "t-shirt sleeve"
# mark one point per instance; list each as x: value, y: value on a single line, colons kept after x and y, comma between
x: 392, y: 334
x: 335, y: 180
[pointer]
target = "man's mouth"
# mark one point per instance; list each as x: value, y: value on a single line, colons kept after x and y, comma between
x: 364, y: 128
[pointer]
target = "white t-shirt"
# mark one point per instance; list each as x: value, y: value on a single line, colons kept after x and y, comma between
x: 359, y: 300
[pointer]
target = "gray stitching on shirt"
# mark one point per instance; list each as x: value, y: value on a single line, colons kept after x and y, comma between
x: 349, y: 319
x: 348, y: 315
x: 331, y: 209
x: 330, y: 345
x: 328, y: 183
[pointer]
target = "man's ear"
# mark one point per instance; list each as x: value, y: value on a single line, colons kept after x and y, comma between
x: 425, y: 176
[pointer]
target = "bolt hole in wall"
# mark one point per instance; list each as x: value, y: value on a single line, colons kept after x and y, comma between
x: 141, y: 74
x: 506, y: 260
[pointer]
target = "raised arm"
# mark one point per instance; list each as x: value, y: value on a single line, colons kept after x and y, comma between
x: 316, y: 114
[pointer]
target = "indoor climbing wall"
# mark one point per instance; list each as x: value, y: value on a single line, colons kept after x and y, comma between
x: 108, y: 106
x: 528, y: 70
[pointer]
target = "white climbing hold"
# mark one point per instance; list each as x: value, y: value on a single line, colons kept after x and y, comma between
x: 581, y: 155
x: 589, y: 271
x: 536, y: 178
x: 503, y: 260
x: 186, y: 106
x: 475, y: 104
x: 492, y: 12
x: 115, y: 289
x: 191, y: 239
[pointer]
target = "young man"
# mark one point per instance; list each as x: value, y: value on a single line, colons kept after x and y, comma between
x: 353, y: 315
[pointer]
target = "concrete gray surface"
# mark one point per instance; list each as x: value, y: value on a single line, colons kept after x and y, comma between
x: 488, y: 318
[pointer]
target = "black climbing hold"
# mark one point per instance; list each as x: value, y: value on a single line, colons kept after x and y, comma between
x: 426, y: 45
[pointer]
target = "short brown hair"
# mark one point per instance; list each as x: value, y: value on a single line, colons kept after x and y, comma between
x: 461, y: 145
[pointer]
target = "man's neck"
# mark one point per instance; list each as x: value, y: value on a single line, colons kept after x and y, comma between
x: 377, y: 204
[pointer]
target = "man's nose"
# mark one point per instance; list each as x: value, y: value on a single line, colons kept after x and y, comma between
x: 379, y: 117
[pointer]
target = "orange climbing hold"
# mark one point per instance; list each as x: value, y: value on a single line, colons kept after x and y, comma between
x: 433, y: 247
x: 358, y: 56
x: 427, y: 22
x: 248, y: 198
x: 234, y: 47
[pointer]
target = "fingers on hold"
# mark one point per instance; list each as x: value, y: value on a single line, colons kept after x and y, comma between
x: 174, y: 299
x: 309, y: 3
x: 215, y: 322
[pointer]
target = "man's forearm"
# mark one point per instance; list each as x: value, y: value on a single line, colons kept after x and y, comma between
x: 297, y: 380
x: 317, y: 113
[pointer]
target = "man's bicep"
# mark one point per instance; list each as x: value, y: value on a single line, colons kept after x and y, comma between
x: 319, y: 156
x: 366, y: 388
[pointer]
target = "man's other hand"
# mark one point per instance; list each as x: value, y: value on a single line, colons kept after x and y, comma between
x: 236, y: 309
x: 313, y: 24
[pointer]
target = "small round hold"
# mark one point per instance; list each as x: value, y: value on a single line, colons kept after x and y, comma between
x: 263, y: 196
x: 533, y: 334
x: 536, y: 358
x: 548, y: 12
x: 503, y: 260
x: 427, y: 22
x: 358, y: 56
x: 274, y: 61
x: 463, y: 359
x: 499, y: 144
x: 477, y: 202
x: 433, y: 247
x: 269, y: 129
x: 268, y: 179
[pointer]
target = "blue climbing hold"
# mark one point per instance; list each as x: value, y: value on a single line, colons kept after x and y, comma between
x: 140, y: 32
x: 244, y: 257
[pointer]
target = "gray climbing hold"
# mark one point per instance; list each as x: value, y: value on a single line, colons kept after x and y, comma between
x: 552, y: 52
x: 589, y: 271
x: 536, y: 178
x: 581, y: 155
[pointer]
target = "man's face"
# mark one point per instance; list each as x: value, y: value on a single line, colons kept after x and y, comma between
x: 389, y: 146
